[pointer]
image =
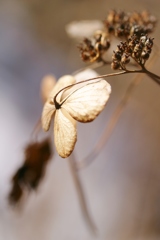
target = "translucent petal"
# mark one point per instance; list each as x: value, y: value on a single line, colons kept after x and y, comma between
x: 86, y: 102
x: 85, y: 74
x: 47, y: 84
x: 62, y: 83
x: 65, y: 134
x: 81, y: 78
x: 47, y: 113
x: 49, y: 107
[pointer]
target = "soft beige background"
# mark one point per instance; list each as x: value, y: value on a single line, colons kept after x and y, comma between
x: 122, y: 185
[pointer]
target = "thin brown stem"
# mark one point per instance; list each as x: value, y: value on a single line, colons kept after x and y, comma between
x: 36, y: 129
x: 153, y: 76
x: 98, y: 77
x: 81, y: 195
x: 90, y: 66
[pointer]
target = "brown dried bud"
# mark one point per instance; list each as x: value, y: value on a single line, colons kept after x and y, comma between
x: 145, y: 55
x: 149, y: 43
x: 117, y: 56
x: 125, y: 59
x: 115, y: 65
x: 143, y: 39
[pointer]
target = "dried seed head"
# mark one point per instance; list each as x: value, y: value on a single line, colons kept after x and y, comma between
x: 122, y: 24
x: 92, y: 50
x: 138, y: 48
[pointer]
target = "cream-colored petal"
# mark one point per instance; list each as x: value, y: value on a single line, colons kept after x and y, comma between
x: 65, y: 134
x: 47, y: 84
x: 86, y: 102
x: 49, y: 107
x: 47, y: 114
x: 61, y: 83
x: 81, y: 79
x: 85, y: 74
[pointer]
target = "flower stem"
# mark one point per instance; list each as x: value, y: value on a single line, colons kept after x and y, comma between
x: 80, y: 193
x: 153, y: 76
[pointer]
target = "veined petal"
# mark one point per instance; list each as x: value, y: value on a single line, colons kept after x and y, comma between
x: 47, y: 113
x: 49, y: 107
x: 61, y: 83
x: 86, y: 102
x: 81, y: 78
x: 65, y: 134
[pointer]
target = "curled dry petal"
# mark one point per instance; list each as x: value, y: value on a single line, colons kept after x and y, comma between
x: 62, y: 83
x: 49, y: 107
x: 65, y: 134
x: 47, y: 114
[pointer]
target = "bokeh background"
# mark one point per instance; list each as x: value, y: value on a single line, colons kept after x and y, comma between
x: 122, y: 186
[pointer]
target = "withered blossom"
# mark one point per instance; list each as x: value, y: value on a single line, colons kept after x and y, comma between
x: 28, y: 176
x: 82, y: 101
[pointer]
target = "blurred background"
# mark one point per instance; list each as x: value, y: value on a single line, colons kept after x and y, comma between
x: 122, y: 186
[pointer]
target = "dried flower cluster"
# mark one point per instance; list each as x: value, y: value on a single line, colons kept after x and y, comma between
x: 138, y: 49
x: 133, y: 27
x: 92, y: 50
x: 122, y: 24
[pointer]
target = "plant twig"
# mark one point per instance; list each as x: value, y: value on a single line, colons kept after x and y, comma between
x: 36, y: 129
x: 81, y: 195
x: 153, y: 76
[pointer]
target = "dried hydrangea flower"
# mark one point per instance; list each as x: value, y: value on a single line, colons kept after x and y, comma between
x: 82, y: 101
